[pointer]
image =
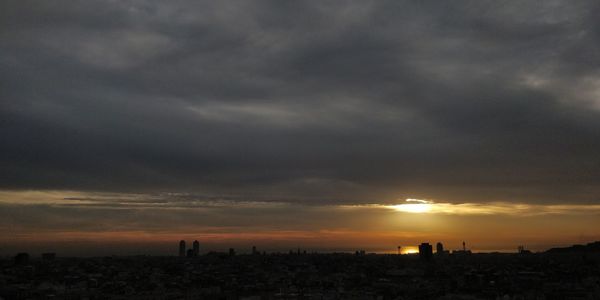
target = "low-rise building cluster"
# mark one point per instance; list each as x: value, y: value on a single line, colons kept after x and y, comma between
x: 304, y: 276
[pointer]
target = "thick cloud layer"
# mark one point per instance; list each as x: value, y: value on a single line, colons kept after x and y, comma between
x: 312, y: 101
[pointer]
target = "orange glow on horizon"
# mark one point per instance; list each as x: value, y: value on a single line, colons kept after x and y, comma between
x: 71, y: 217
x: 409, y: 250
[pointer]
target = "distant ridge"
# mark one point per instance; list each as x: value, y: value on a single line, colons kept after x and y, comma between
x: 590, y: 247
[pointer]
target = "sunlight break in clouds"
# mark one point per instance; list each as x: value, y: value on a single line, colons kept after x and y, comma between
x: 414, y: 206
x: 515, y: 209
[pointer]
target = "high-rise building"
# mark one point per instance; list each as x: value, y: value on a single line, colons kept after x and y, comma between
x: 254, y: 252
x: 439, y: 248
x: 182, y: 248
x: 425, y: 251
x: 196, y: 248
x: 190, y: 253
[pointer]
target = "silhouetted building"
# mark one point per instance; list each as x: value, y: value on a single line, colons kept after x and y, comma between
x: 254, y: 250
x: 439, y: 250
x: 22, y: 258
x: 196, y: 248
x: 464, y: 250
x: 399, y: 250
x: 48, y: 256
x: 425, y: 251
x: 522, y: 250
x: 190, y: 253
x: 231, y: 251
x: 182, y: 248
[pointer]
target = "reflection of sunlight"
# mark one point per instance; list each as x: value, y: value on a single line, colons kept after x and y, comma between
x: 414, y: 206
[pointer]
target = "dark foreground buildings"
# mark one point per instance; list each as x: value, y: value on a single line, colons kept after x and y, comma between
x: 305, y: 276
x: 562, y: 273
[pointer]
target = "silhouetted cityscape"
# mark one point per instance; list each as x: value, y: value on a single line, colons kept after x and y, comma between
x: 281, y: 149
x: 559, y: 273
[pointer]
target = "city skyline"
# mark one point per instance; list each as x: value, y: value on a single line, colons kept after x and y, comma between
x: 332, y: 126
x: 381, y: 227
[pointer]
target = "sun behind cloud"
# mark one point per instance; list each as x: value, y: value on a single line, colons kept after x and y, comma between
x: 414, y: 206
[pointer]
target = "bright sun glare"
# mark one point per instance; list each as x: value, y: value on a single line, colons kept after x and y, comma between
x: 409, y: 250
x: 414, y: 206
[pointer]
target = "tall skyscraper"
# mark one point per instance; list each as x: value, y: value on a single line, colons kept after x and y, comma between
x: 196, y: 248
x: 439, y: 248
x: 182, y: 248
x: 425, y: 251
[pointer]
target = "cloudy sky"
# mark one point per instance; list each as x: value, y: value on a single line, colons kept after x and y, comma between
x: 284, y: 123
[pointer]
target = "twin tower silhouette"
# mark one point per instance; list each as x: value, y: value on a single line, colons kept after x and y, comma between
x: 195, y: 251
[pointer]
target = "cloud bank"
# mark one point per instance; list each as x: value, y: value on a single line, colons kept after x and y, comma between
x: 324, y: 102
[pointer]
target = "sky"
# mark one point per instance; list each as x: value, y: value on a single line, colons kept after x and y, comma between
x: 329, y: 125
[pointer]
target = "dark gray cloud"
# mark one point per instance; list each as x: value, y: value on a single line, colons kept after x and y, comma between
x: 323, y: 101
